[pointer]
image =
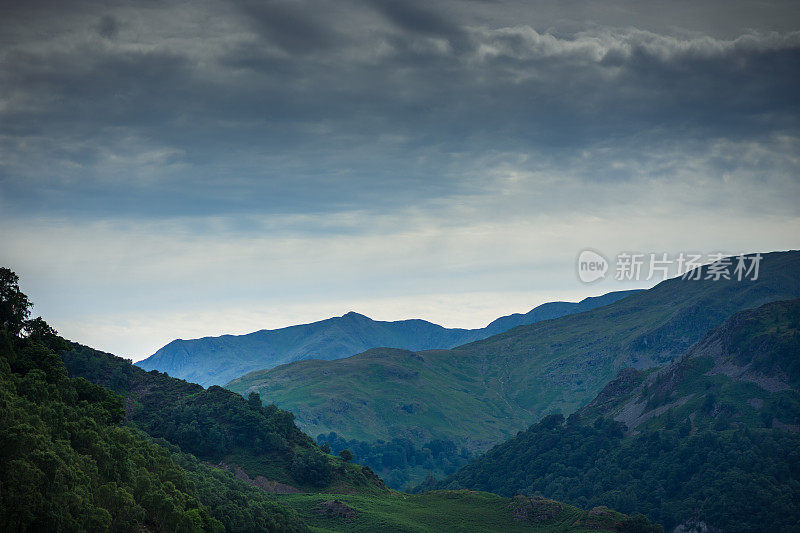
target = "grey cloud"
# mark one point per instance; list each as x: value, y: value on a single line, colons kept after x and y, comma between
x: 291, y: 25
x: 108, y: 27
x: 335, y: 137
x: 411, y: 16
x: 316, y: 113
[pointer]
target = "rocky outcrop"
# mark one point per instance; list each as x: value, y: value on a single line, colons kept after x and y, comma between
x: 336, y: 509
x: 536, y: 509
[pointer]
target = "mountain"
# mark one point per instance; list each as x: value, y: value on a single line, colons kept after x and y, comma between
x: 748, y: 370
x: 484, y: 392
x: 548, y: 311
x: 217, y: 360
x: 75, y: 456
x: 711, y: 438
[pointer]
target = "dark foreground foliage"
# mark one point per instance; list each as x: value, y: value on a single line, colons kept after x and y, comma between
x: 737, y: 480
x: 395, y: 459
x: 214, y: 424
x: 68, y: 463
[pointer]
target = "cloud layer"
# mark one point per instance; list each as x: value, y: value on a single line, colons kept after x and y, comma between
x: 418, y: 147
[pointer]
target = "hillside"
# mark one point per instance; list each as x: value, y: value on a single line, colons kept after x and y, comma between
x: 711, y: 437
x: 462, y: 511
x: 68, y: 462
x: 73, y: 457
x: 217, y: 360
x: 748, y: 369
x: 219, y: 426
x: 484, y: 392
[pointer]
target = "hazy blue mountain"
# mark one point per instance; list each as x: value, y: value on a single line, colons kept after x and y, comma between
x: 218, y: 360
x: 549, y: 311
x: 481, y: 393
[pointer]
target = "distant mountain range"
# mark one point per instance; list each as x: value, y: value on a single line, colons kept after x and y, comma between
x: 218, y: 360
x: 709, y: 442
x: 486, y: 391
x: 161, y: 454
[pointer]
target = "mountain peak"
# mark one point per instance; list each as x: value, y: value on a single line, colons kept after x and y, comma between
x: 217, y: 360
x: 353, y: 315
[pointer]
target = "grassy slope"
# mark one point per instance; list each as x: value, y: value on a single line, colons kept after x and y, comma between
x: 432, y: 512
x: 379, y: 394
x: 484, y: 392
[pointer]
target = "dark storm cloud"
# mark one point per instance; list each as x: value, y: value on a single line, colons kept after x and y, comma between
x: 290, y: 24
x: 412, y: 16
x: 299, y: 106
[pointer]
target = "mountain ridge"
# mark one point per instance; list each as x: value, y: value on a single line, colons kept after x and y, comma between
x: 76, y: 456
x: 215, y: 360
x: 483, y: 392
x: 744, y: 350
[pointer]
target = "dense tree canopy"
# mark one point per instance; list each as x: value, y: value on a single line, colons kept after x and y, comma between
x: 401, y: 463
x: 215, y: 424
x: 69, y: 463
x: 737, y: 480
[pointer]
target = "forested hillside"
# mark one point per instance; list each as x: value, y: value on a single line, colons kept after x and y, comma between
x: 216, y: 424
x: 401, y: 463
x: 711, y: 437
x: 69, y: 463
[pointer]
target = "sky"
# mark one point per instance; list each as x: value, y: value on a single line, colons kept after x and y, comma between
x: 183, y: 169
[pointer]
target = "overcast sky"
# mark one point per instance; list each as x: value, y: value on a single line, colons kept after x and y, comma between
x: 181, y: 169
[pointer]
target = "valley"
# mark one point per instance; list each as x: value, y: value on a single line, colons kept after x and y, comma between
x: 481, y: 393
x: 705, y: 407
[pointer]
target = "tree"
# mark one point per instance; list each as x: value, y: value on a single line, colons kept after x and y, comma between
x: 254, y: 401
x: 14, y: 305
x: 346, y: 455
x: 311, y: 467
x: 37, y: 330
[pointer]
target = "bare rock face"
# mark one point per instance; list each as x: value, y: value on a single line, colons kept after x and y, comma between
x: 336, y: 509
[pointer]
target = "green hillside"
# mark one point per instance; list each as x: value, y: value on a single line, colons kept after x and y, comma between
x: 219, y: 426
x: 748, y: 369
x: 461, y: 511
x: 73, y: 457
x: 68, y: 462
x: 484, y: 392
x: 712, y: 437
x: 217, y: 360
